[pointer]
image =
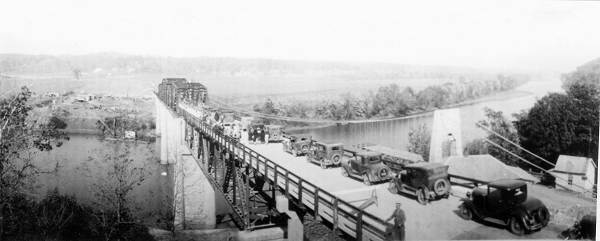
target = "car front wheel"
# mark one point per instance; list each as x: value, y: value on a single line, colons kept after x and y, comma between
x: 516, y: 226
x: 344, y: 172
x: 465, y: 212
x: 366, y: 180
x: 422, y: 193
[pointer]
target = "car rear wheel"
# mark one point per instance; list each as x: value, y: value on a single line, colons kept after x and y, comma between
x: 422, y: 193
x: 516, y: 226
x: 465, y: 212
x: 336, y: 159
x: 441, y: 187
x: 304, y: 149
x: 366, y: 180
x: 344, y: 172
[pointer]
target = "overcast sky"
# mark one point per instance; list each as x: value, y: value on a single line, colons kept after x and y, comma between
x: 545, y: 35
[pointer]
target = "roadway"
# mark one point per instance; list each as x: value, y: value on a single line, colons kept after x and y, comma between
x: 434, y: 221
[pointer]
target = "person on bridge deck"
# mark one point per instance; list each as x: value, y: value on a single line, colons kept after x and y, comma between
x: 396, y: 232
x: 211, y: 161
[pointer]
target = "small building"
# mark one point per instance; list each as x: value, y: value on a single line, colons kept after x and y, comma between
x: 575, y: 173
x: 129, y: 134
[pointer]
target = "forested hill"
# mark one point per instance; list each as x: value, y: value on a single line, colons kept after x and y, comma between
x: 232, y: 67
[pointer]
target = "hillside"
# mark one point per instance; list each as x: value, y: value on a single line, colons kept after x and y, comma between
x: 138, y: 75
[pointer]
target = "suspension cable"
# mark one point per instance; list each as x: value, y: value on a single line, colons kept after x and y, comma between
x: 515, y: 144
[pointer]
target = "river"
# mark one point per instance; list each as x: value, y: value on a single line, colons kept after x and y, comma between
x: 394, y: 133
x: 80, y: 164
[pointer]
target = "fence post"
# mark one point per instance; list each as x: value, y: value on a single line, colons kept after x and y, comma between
x: 316, y: 204
x: 335, y: 214
x: 287, y: 185
x: 359, y: 225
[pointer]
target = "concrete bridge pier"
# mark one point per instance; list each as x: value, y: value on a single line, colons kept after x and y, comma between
x: 193, y: 196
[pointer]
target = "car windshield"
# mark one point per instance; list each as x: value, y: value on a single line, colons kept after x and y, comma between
x: 374, y: 159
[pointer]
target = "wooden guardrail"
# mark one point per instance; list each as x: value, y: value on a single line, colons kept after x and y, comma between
x: 342, y: 214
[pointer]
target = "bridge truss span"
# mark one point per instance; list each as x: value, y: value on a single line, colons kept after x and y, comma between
x: 245, y: 170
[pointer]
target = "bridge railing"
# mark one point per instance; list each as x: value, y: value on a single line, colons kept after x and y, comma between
x: 342, y: 214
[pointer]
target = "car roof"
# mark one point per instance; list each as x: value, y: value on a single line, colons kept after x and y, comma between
x: 328, y: 144
x: 368, y: 153
x: 507, y: 183
x: 425, y: 165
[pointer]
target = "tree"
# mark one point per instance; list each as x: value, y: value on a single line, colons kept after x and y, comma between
x: 496, y: 121
x: 565, y: 123
x: 20, y: 138
x: 419, y: 140
x: 476, y: 147
x: 267, y: 108
x: 112, y: 194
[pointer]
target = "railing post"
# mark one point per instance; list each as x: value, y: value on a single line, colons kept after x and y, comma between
x: 316, y: 204
x: 287, y: 185
x: 359, y: 225
x: 335, y: 214
x: 275, y: 185
x: 300, y: 191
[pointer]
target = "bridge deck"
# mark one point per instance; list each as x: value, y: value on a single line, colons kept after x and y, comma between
x: 436, y: 220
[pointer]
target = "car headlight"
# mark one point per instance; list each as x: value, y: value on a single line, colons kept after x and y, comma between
x: 383, y: 173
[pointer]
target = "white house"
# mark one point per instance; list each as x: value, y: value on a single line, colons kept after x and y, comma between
x: 575, y: 173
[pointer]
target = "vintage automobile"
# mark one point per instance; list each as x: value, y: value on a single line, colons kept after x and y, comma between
x: 296, y: 144
x: 256, y: 133
x: 275, y: 133
x: 325, y: 154
x: 505, y: 202
x: 366, y: 165
x: 393, y: 158
x: 425, y: 180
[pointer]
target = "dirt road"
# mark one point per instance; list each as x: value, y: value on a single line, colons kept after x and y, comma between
x: 435, y: 221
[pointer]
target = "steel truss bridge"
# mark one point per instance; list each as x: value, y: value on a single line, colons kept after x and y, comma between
x: 250, y: 182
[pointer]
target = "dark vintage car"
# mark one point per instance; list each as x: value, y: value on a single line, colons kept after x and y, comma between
x: 505, y: 202
x: 325, y: 154
x: 425, y: 180
x: 256, y: 133
x: 366, y: 165
x: 296, y: 144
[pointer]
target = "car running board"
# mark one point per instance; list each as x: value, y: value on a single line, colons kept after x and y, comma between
x: 494, y: 220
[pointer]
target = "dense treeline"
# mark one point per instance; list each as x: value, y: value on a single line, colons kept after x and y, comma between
x: 565, y: 123
x: 392, y: 100
x: 558, y: 124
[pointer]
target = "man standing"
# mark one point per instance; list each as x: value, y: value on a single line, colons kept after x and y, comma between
x: 396, y: 232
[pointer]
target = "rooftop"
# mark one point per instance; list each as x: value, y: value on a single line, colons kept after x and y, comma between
x: 572, y: 164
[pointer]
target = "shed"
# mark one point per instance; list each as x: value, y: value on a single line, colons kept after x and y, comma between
x: 575, y: 173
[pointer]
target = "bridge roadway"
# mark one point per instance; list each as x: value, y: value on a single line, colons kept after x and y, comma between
x: 435, y: 221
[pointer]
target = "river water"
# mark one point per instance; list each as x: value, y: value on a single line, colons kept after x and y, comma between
x: 394, y: 133
x: 80, y: 164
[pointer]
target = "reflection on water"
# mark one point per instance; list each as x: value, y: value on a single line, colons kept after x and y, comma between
x: 394, y: 133
x: 80, y: 163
